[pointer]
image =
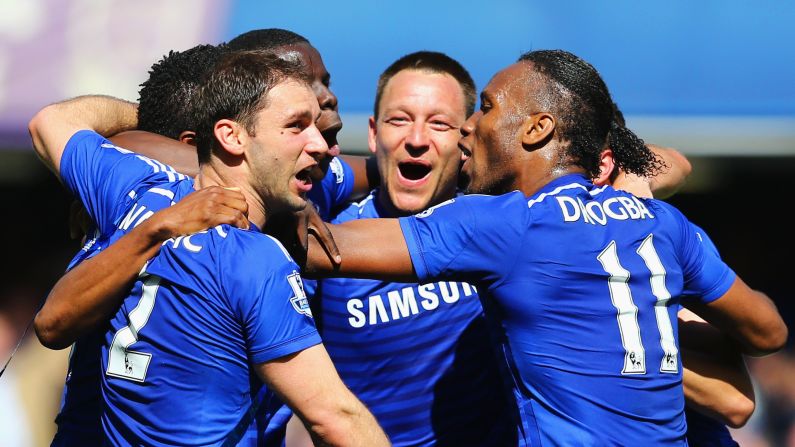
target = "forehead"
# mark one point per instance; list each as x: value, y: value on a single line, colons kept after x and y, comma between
x: 410, y: 86
x: 291, y: 96
x: 507, y: 83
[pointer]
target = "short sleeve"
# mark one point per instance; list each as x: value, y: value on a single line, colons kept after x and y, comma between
x: 472, y: 237
x: 107, y: 178
x: 334, y: 190
x: 268, y: 296
x: 707, y: 277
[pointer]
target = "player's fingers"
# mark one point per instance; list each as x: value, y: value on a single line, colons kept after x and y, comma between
x: 231, y: 197
x: 326, y: 239
x: 232, y: 217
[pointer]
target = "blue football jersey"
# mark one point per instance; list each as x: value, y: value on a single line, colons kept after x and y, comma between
x: 176, y: 359
x: 431, y: 370
x: 703, y: 431
x: 104, y: 197
x: 332, y: 193
x: 585, y: 282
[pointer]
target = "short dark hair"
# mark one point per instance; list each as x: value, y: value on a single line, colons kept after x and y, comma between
x: 587, y: 118
x: 265, y: 39
x: 236, y: 89
x: 431, y: 62
x: 166, y: 100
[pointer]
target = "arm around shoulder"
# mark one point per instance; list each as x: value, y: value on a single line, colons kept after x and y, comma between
x: 53, y: 126
x: 748, y: 316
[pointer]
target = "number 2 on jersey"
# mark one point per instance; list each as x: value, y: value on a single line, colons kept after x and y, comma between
x: 122, y: 362
x: 627, y: 311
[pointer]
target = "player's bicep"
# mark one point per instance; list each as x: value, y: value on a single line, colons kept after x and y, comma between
x: 306, y: 381
x: 50, y: 131
x: 747, y: 315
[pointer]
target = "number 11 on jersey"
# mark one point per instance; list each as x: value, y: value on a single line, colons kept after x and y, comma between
x: 627, y: 311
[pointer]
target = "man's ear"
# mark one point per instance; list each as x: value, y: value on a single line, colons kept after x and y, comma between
x: 231, y: 136
x: 187, y: 137
x: 371, y: 133
x: 538, y: 129
x: 606, y: 167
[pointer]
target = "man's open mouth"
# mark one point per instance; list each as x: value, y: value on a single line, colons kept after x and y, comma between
x: 414, y: 170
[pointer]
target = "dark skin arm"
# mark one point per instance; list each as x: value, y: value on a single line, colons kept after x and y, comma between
x: 177, y: 154
x: 88, y: 294
x: 748, y: 316
x: 369, y: 248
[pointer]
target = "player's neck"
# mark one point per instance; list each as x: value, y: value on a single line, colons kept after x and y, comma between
x: 209, y: 176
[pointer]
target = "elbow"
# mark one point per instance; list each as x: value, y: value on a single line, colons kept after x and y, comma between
x: 739, y: 412
x: 48, y: 332
x: 773, y: 340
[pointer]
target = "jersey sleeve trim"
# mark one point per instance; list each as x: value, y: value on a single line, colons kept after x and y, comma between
x: 287, y: 347
x: 721, y: 288
x: 66, y: 168
x: 408, y: 226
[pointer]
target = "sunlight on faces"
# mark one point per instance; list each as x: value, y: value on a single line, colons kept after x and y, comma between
x: 285, y: 147
x: 415, y: 139
x: 492, y: 135
x: 330, y: 122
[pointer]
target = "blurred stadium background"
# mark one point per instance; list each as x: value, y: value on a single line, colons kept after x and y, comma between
x: 715, y: 79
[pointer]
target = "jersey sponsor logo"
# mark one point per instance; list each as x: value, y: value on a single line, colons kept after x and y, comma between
x: 298, y: 300
x: 430, y: 210
x: 405, y: 302
x: 596, y: 212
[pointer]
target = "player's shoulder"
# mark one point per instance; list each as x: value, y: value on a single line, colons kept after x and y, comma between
x: 250, y: 244
x: 508, y: 208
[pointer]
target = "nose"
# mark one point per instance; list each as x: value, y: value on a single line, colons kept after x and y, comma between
x: 418, y: 137
x: 469, y: 124
x: 325, y: 97
x: 315, y: 145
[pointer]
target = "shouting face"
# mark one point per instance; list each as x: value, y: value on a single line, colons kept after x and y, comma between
x: 415, y: 139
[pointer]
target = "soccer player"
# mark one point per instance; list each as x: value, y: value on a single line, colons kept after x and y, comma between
x: 582, y: 282
x: 432, y: 372
x: 166, y: 114
x: 63, y: 322
x: 200, y: 335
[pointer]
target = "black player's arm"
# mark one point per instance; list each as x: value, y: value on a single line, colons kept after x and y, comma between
x: 92, y: 291
x: 180, y: 156
x: 365, y: 174
x: 746, y: 315
x: 51, y: 128
x: 308, y: 383
x: 715, y: 379
x: 369, y: 248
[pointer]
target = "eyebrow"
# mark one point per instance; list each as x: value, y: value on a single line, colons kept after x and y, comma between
x: 300, y: 114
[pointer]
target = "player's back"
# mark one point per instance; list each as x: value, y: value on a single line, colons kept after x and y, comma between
x: 177, y: 359
x: 593, y: 334
x: 432, y: 375
x: 585, y: 282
